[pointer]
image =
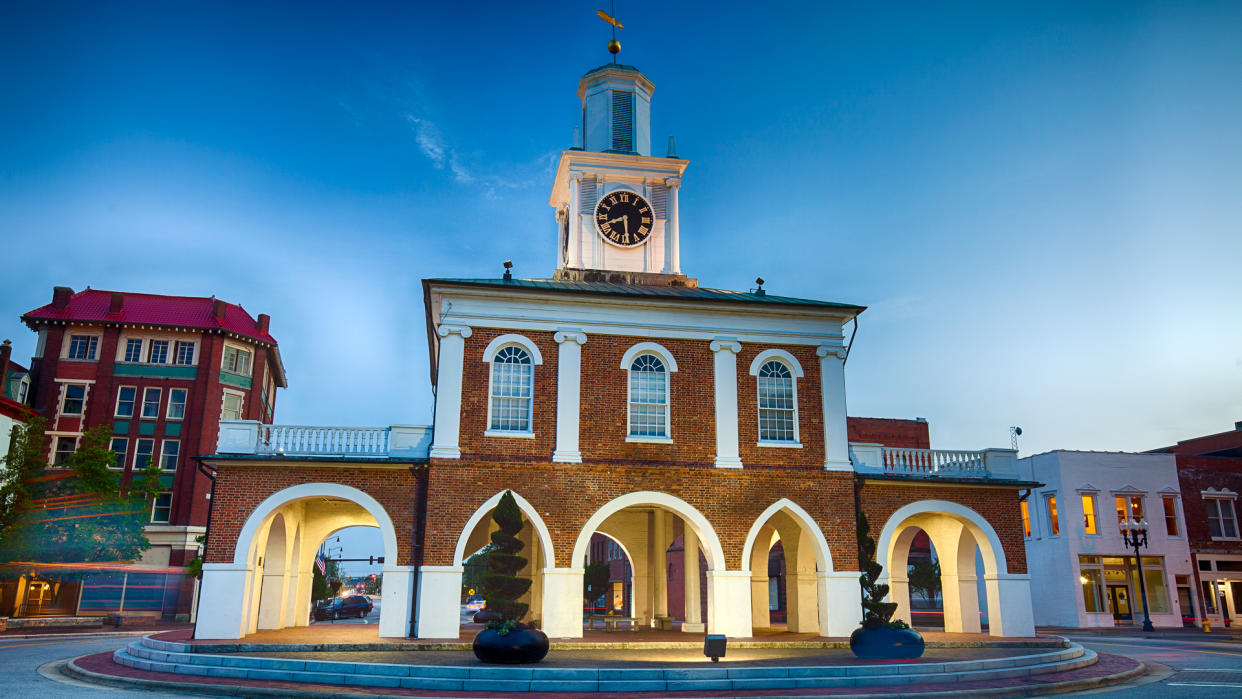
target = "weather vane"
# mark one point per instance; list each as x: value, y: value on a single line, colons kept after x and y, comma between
x: 614, y: 46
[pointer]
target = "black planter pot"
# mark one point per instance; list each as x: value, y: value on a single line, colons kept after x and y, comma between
x: 884, y: 643
x: 519, y: 646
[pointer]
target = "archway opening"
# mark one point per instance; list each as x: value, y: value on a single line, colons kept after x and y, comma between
x: 475, y: 546
x: 610, y: 573
x: 923, y: 579
x: 785, y: 561
x: 347, y: 578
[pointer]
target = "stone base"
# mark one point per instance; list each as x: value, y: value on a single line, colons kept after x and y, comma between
x: 687, y: 627
x: 618, y: 277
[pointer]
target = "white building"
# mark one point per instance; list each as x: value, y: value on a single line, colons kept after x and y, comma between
x: 1082, y: 573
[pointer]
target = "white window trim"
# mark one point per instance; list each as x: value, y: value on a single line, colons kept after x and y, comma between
x: 172, y: 353
x: 512, y: 339
x: 124, y: 345
x: 120, y: 464
x: 168, y: 408
x: 56, y: 437
x: 153, y: 455
x: 243, y: 348
x: 163, y: 444
x: 144, y: 347
x: 1133, y: 493
x: 1224, y: 495
x: 68, y: 343
x: 489, y: 354
x: 1095, y: 505
x: 116, y: 409
x: 149, y: 345
x: 795, y: 369
x: 670, y: 365
x: 64, y: 393
x: 155, y: 501
x: 1053, y: 531
x: 142, y: 403
x: 239, y: 394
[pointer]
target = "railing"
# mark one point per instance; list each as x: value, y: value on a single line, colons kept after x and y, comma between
x: 931, y: 463
x: 306, y: 440
x: 251, y: 437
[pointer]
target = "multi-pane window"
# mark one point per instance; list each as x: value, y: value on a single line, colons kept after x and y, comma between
x: 65, y: 446
x: 1130, y: 506
x: 1088, y: 514
x: 183, y: 353
x: 151, y: 403
x: 648, y: 397
x: 1170, y: 515
x: 1222, y: 520
x: 236, y: 361
x: 83, y: 346
x: 161, y: 509
x: 512, y: 379
x: 176, y: 403
x: 776, y: 403
x: 74, y: 400
x: 120, y: 447
x: 231, y: 409
x: 1026, y: 518
x: 133, y: 350
x: 168, y: 456
x: 142, y: 453
x: 125, y: 398
x: 157, y: 352
x: 1054, y: 522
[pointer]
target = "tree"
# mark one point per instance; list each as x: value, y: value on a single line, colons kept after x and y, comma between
x: 595, y: 581
x: 876, y: 612
x: 320, y: 586
x: 23, y: 461
x: 925, y: 578
x: 106, y: 525
x: 502, y: 586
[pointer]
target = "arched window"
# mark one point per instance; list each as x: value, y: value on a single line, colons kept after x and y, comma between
x: 648, y: 397
x: 777, y: 408
x: 513, y: 376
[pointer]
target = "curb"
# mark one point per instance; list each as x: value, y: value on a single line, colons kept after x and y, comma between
x: 71, y: 668
x: 192, y: 647
x: 7, y: 637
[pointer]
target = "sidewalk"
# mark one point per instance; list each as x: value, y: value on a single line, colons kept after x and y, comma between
x: 1218, y: 635
x: 105, y: 630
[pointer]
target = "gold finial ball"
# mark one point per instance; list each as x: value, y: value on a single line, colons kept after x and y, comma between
x: 614, y: 46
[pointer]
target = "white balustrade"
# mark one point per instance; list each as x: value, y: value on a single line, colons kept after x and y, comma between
x: 250, y: 437
x: 932, y: 462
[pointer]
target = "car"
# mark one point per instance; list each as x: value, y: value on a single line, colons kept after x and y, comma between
x: 341, y: 607
x: 475, y: 603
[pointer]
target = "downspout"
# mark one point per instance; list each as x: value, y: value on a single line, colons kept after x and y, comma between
x: 420, y: 516
x: 211, y: 506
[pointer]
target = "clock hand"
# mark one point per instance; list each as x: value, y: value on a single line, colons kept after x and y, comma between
x: 615, y: 220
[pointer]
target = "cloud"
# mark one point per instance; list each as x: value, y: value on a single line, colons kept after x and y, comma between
x: 443, y: 156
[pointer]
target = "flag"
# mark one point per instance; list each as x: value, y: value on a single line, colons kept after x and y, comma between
x: 323, y: 568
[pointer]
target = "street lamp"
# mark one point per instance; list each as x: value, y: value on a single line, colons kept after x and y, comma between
x: 1134, y: 533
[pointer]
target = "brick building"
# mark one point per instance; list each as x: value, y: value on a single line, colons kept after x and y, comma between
x: 618, y: 397
x: 161, y: 372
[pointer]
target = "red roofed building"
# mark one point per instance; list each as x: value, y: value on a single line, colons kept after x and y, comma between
x: 161, y: 371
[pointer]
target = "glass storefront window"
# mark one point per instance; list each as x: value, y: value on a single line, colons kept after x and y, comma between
x: 1092, y: 590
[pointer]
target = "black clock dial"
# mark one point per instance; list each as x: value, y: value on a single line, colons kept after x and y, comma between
x: 624, y: 218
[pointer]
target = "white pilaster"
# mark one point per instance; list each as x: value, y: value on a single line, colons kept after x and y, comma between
x: 222, y: 594
x: 659, y: 571
x: 728, y: 605
x: 1010, y: 613
x: 840, y: 604
x: 960, y: 594
x: 802, y: 610
x: 573, y: 251
x: 760, y: 616
x: 439, y: 602
x: 690, y: 565
x: 394, y: 621
x: 899, y: 592
x: 568, y: 394
x: 448, y: 390
x: 672, y: 246
x: 724, y: 351
x: 832, y: 383
x: 562, y: 602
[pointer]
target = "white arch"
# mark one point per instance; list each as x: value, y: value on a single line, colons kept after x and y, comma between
x: 823, y: 556
x: 281, y: 498
x: 654, y: 348
x: 780, y: 354
x: 702, y: 528
x: 545, y: 538
x: 512, y: 339
x: 993, y: 552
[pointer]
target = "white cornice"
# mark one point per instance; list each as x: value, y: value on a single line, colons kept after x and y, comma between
x: 613, y: 166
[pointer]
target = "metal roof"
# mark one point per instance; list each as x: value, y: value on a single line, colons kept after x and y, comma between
x: 642, y: 290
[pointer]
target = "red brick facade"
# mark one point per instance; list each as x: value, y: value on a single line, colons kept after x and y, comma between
x: 1196, y: 474
x: 910, y: 434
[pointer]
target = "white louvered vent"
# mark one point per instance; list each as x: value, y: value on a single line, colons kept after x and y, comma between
x: 622, y: 121
x: 659, y: 201
x: 587, y: 196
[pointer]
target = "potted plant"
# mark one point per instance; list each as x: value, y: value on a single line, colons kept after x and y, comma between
x: 506, y: 639
x: 879, y: 638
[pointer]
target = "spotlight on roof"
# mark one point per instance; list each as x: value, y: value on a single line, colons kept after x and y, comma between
x: 759, y: 288
x: 508, y: 266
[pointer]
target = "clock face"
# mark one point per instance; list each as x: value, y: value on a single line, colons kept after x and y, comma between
x: 624, y: 218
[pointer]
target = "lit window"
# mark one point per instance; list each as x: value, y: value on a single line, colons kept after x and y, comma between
x: 648, y: 397
x: 232, y: 407
x: 1026, y: 518
x: 1054, y: 523
x: 184, y: 353
x: 133, y: 350
x: 142, y: 454
x: 1222, y: 521
x: 74, y: 400
x: 1129, y: 506
x: 120, y: 447
x: 777, y: 422
x: 151, y: 403
x: 1088, y: 514
x: 158, y: 352
x: 513, y: 376
x: 176, y: 403
x: 161, y: 509
x: 65, y: 446
x: 83, y: 346
x: 125, y: 398
x: 168, y: 456
x: 236, y: 361
x: 1170, y: 516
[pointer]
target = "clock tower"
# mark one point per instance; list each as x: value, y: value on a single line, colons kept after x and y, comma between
x: 616, y: 204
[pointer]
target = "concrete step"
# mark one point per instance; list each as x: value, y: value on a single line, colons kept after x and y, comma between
x: 160, y: 656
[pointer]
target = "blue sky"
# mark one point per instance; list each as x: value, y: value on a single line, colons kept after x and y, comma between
x: 1040, y: 203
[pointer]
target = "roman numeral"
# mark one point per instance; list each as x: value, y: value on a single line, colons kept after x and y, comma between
x: 642, y: 230
x: 643, y: 210
x: 647, y: 220
x: 625, y: 197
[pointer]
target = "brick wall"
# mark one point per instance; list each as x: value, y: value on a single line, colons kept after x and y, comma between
x: 909, y: 434
x: 810, y: 411
x: 475, y: 396
x: 240, y: 489
x: 1196, y: 474
x: 999, y: 506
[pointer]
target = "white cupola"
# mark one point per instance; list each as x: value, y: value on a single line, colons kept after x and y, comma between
x: 616, y: 110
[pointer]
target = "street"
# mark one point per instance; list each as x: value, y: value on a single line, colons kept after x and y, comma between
x: 1199, y: 668
x: 372, y: 618
x: 29, y: 662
